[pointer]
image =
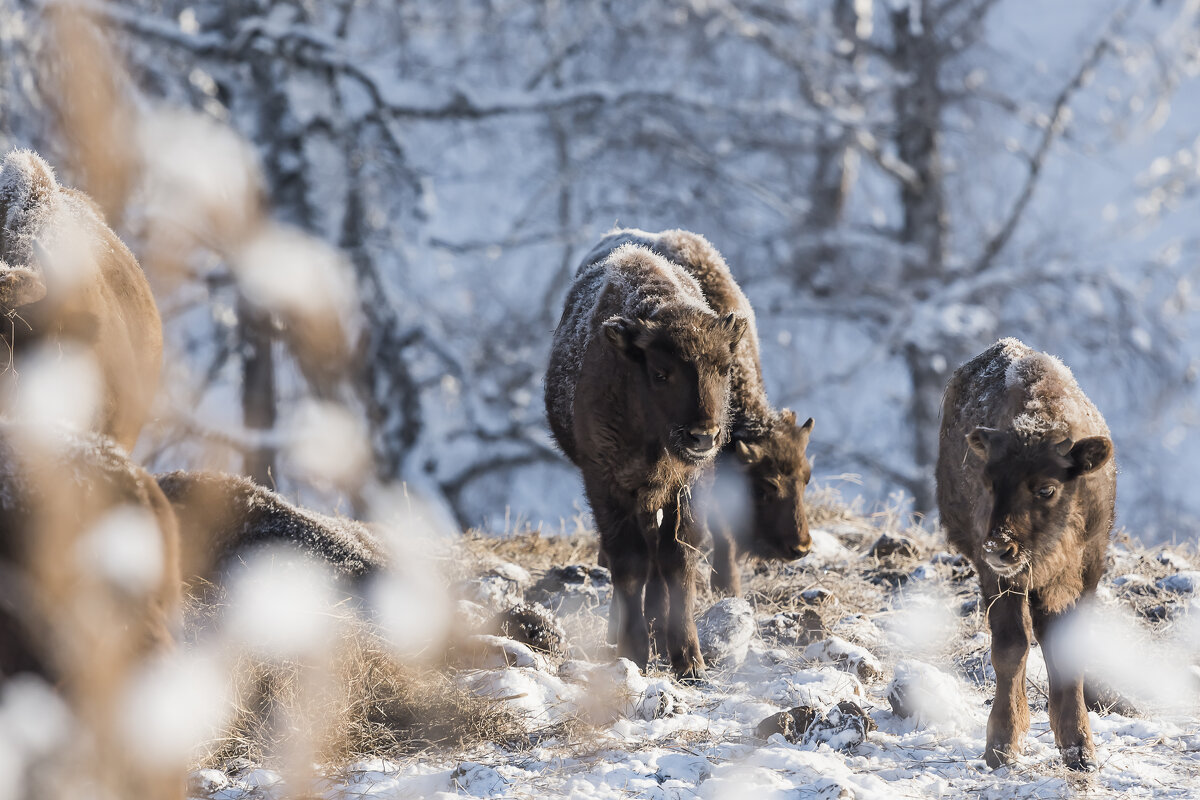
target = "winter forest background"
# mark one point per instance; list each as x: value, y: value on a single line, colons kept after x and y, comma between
x: 360, y: 217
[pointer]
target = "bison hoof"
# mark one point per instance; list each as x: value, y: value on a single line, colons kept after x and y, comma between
x: 692, y: 676
x: 1080, y: 760
x: 999, y: 755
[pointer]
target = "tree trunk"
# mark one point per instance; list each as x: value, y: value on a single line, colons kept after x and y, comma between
x: 918, y: 111
x: 258, y: 389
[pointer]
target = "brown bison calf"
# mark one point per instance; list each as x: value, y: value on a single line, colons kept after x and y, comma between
x: 637, y: 394
x: 1026, y: 487
x: 765, y: 445
x: 65, y: 278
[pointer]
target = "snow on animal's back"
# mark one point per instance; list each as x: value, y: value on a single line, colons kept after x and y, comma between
x: 1010, y: 385
x: 1048, y: 400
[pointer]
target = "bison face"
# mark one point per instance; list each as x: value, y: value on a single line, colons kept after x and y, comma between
x: 682, y: 367
x: 1032, y: 488
x: 779, y: 471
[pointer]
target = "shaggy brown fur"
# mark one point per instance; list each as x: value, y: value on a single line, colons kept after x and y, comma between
x: 222, y: 517
x: 65, y: 277
x: 767, y: 444
x: 1026, y: 489
x: 637, y: 394
x: 90, y: 557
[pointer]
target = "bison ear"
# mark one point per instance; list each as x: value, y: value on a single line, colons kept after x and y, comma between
x: 980, y: 441
x: 734, y: 325
x: 1090, y: 454
x: 622, y: 334
x: 747, y: 453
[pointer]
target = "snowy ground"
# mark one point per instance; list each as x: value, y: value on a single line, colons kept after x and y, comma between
x: 598, y: 729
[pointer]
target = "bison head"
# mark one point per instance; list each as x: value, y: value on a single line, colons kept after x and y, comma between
x: 778, y: 471
x: 1033, y: 488
x: 682, y: 361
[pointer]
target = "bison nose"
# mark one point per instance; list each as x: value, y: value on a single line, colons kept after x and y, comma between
x: 1002, y: 547
x: 702, y: 437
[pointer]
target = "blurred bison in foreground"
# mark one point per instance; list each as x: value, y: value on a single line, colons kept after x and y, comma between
x: 89, y: 554
x: 67, y: 281
x: 1026, y: 487
x: 766, y: 447
x: 637, y: 394
x: 223, y: 517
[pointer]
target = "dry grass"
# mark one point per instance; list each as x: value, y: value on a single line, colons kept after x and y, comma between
x: 363, y: 703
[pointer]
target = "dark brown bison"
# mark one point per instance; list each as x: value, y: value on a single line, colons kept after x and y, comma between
x: 89, y: 552
x: 223, y: 517
x: 66, y: 279
x: 637, y: 394
x: 766, y: 446
x: 1026, y: 486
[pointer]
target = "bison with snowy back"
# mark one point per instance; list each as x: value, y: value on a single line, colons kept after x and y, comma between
x: 1026, y: 486
x: 637, y: 395
x: 223, y: 518
x: 766, y: 447
x: 68, y: 282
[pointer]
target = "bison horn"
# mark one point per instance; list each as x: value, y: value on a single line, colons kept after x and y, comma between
x: 1063, y: 448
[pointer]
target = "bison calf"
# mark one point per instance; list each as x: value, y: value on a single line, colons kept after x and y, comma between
x: 637, y: 394
x: 766, y: 446
x: 1026, y: 486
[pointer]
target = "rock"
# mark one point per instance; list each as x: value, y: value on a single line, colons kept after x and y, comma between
x: 951, y: 559
x: 1173, y: 560
x: 659, y: 701
x: 849, y: 657
x: 780, y: 722
x: 923, y: 572
x: 794, y: 628
x: 1180, y: 582
x: 843, y: 727
x: 477, y: 780
x: 818, y: 596
x: 483, y: 651
x: 888, y: 578
x: 206, y: 781
x: 492, y: 591
x: 511, y: 572
x: 725, y: 632
x: 1133, y: 583
x: 571, y: 589
x: 893, y: 546
x: 792, y: 724
x: 470, y: 618
x: 924, y: 694
x: 534, y: 626
x: 1156, y: 613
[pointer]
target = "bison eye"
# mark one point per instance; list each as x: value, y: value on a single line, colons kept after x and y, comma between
x: 660, y: 376
x: 1045, y: 492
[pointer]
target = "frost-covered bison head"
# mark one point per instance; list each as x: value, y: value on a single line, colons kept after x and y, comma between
x: 1032, y: 485
x: 682, y: 359
x: 778, y: 471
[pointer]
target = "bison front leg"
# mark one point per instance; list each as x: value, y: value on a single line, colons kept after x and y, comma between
x: 623, y: 548
x: 1068, y: 711
x: 1008, y: 618
x: 725, y: 575
x: 678, y: 566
